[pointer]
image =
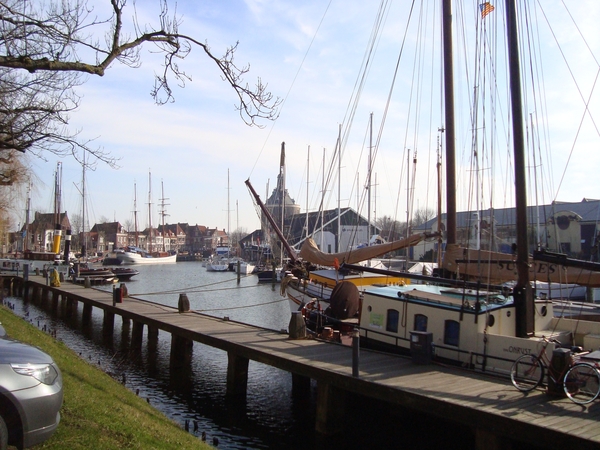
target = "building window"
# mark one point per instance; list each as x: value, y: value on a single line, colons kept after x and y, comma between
x: 451, y: 332
x: 420, y: 322
x: 391, y: 324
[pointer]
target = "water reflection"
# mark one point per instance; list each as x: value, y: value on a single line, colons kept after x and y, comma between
x: 269, y: 416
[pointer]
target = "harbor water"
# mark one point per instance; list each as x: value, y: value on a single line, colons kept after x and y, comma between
x: 270, y: 417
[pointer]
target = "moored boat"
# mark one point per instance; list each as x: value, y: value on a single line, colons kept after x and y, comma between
x: 135, y: 255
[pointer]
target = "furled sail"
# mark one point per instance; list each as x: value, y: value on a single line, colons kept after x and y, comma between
x: 497, y: 268
x: 311, y: 253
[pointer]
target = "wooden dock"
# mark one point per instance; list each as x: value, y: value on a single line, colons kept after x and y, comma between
x: 498, y: 414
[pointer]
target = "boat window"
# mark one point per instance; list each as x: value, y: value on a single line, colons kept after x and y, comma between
x: 451, y: 332
x: 391, y: 324
x: 420, y: 322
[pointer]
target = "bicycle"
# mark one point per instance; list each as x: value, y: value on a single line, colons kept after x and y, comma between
x: 580, y: 380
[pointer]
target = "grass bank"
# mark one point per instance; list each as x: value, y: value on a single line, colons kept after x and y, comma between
x: 98, y: 412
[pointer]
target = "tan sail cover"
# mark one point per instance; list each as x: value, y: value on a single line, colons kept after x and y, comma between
x: 497, y: 268
x: 311, y: 253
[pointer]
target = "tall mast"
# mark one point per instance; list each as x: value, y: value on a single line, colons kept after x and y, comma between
x: 339, y: 209
x: 323, y: 203
x: 135, y: 211
x: 439, y: 204
x: 150, y: 211
x: 228, y: 216
x: 57, y: 206
x: 449, y: 117
x: 307, y: 186
x: 26, y: 232
x: 369, y: 179
x: 523, y: 294
x: 282, y: 195
x: 84, y: 247
x: 163, y: 213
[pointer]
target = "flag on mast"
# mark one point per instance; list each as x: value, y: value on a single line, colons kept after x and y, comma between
x: 486, y: 8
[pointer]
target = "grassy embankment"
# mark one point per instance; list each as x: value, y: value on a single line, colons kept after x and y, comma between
x: 98, y: 412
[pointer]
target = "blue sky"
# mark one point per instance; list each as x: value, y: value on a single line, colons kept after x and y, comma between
x: 310, y: 54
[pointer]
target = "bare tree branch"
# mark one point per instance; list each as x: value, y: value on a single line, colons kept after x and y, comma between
x: 52, y: 39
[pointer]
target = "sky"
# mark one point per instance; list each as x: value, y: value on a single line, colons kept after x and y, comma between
x: 310, y: 54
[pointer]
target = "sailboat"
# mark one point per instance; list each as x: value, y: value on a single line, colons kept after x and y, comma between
x: 479, y: 324
x: 219, y: 262
x: 47, y: 256
x: 137, y: 255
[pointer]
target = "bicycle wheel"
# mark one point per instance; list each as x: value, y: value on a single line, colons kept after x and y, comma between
x: 527, y: 373
x: 582, y: 383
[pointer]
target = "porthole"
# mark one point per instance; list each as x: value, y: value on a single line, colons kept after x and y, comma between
x: 507, y: 313
x: 370, y: 308
x: 544, y: 311
x: 491, y: 320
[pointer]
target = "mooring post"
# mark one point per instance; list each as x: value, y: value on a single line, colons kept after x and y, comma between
x: 239, y: 272
x: 237, y: 374
x: 297, y: 326
x: 183, y: 305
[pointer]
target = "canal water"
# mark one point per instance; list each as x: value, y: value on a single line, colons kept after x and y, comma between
x: 270, y: 417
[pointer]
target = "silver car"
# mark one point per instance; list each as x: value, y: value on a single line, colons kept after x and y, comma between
x: 31, y: 394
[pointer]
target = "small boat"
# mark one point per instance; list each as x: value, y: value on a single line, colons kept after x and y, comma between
x: 270, y: 276
x: 81, y: 273
x: 217, y: 264
x: 124, y: 273
x: 245, y: 267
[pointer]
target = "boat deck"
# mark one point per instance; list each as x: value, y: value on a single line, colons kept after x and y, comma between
x: 486, y: 403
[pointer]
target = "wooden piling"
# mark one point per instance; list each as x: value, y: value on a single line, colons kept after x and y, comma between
x: 108, y: 323
x: 330, y: 408
x: 237, y: 374
x: 137, y: 334
x: 86, y: 317
x: 181, y: 351
x: 300, y: 386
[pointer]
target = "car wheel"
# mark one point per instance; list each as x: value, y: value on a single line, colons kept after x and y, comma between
x: 3, y: 434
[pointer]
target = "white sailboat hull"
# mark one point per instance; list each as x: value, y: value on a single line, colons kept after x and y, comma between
x: 136, y: 258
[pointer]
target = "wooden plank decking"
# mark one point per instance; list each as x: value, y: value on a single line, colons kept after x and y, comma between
x: 483, y: 402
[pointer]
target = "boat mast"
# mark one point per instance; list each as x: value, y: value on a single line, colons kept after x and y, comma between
x: 228, y: 218
x: 26, y: 231
x: 150, y: 212
x: 57, y: 206
x: 449, y: 117
x: 339, y: 209
x: 323, y: 203
x: 135, y: 211
x: 163, y: 213
x: 523, y: 294
x: 439, y: 204
x: 84, y: 247
x: 282, y: 193
x: 369, y: 179
x: 307, y: 185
